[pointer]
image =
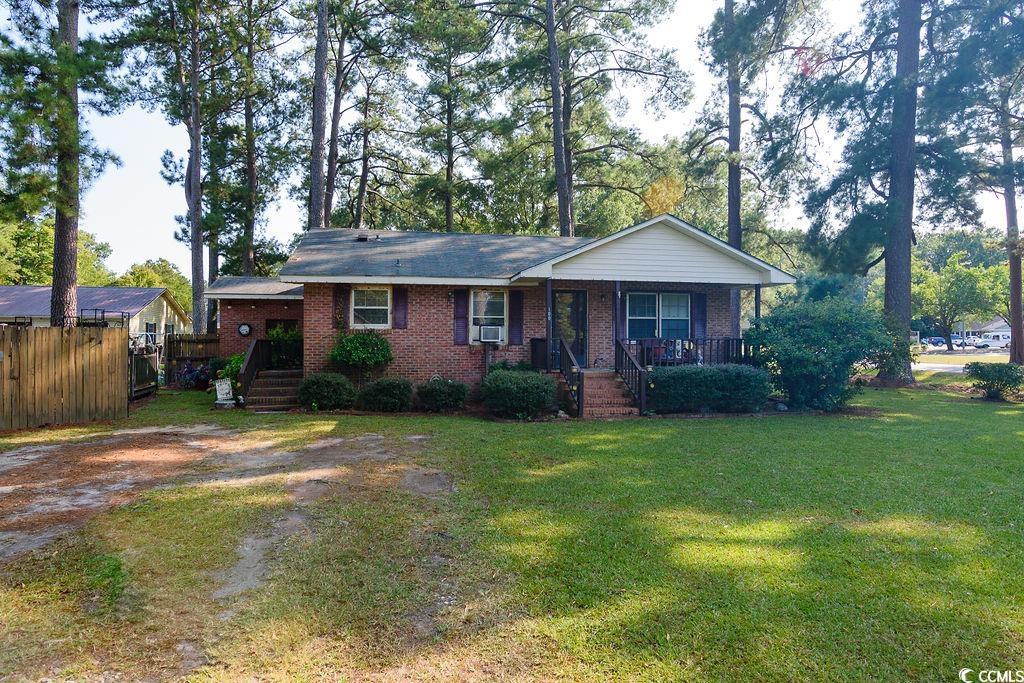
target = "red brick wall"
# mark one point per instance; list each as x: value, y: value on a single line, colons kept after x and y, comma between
x: 425, y: 348
x: 234, y: 312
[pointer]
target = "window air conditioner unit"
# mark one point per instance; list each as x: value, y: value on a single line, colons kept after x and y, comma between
x: 490, y: 334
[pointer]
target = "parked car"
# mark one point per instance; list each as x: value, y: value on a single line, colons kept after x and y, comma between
x: 935, y: 341
x: 993, y: 340
x: 972, y: 340
x: 958, y: 341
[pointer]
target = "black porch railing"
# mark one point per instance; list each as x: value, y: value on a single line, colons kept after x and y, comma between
x: 267, y: 354
x: 656, y: 352
x: 570, y: 370
x: 256, y: 358
x: 632, y: 373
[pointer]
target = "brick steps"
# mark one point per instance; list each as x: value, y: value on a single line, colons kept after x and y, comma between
x: 274, y: 390
x: 605, y: 395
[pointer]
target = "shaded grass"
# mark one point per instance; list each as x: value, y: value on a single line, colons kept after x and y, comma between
x: 878, y: 544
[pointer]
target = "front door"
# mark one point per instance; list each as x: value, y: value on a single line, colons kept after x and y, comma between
x: 569, y: 321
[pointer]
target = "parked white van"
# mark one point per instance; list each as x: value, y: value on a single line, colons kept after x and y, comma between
x: 993, y: 340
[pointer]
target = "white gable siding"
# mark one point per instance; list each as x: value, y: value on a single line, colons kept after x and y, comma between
x: 658, y: 253
x: 161, y: 313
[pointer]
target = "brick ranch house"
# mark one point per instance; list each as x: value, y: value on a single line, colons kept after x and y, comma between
x: 452, y: 303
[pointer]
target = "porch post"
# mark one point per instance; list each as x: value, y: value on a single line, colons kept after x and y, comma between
x: 757, y: 301
x: 616, y: 302
x: 550, y: 321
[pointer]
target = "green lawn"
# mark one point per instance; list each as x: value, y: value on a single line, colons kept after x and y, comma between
x: 884, y: 543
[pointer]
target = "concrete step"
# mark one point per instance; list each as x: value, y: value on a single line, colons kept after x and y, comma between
x: 280, y: 374
x: 609, y: 411
x: 595, y: 401
x: 276, y: 382
x: 259, y: 391
x: 271, y: 400
x: 271, y: 408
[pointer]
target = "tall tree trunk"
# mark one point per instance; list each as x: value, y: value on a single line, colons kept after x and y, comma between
x: 1013, y: 245
x: 562, y: 188
x: 570, y: 161
x: 251, y: 184
x: 900, y: 233
x: 449, y: 149
x: 364, y: 171
x: 64, y: 297
x: 332, y: 145
x: 193, y: 179
x: 734, y: 197
x: 316, y: 156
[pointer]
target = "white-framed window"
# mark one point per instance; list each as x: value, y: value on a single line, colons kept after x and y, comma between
x: 657, y: 314
x: 371, y: 308
x: 488, y: 308
x: 674, y: 313
x: 641, y: 315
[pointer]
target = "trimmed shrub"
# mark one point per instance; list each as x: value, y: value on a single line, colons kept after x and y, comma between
x: 995, y: 379
x: 519, y: 366
x: 440, y: 395
x: 361, y: 351
x: 232, y: 367
x: 811, y: 347
x: 517, y: 394
x: 727, y: 388
x: 387, y: 395
x: 327, y: 391
x: 216, y: 365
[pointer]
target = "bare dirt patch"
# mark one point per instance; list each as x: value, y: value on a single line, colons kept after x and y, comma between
x: 47, y: 491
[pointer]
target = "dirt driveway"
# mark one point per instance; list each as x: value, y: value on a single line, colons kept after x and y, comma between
x: 48, y: 491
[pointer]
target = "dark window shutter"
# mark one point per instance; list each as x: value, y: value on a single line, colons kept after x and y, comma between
x: 339, y: 307
x: 400, y: 308
x: 699, y: 316
x: 515, y: 317
x: 460, y: 324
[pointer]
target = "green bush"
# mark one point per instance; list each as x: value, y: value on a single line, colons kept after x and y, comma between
x: 279, y: 333
x: 327, y: 391
x: 232, y: 367
x: 361, y: 351
x: 811, y: 347
x: 995, y: 379
x: 519, y: 366
x: 724, y: 388
x: 439, y: 395
x: 517, y: 394
x: 387, y: 395
x: 216, y: 365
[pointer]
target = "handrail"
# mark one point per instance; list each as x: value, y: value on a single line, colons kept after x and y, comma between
x: 570, y: 370
x: 656, y: 351
x: 632, y: 373
x: 256, y: 358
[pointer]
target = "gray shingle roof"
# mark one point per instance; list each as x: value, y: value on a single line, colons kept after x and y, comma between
x: 226, y: 286
x: 337, y: 253
x: 34, y: 300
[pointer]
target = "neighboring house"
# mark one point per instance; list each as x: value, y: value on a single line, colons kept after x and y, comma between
x: 450, y: 303
x: 996, y: 326
x: 148, y: 312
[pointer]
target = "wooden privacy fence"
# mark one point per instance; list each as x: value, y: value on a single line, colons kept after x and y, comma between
x: 54, y: 375
x: 194, y: 348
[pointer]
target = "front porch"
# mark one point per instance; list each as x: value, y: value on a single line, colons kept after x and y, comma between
x: 596, y: 331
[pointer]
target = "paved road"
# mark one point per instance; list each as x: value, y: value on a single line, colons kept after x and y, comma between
x: 938, y: 367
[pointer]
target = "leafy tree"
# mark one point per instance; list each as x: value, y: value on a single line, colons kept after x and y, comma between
x: 979, y: 247
x: 26, y: 255
x: 45, y: 153
x: 868, y: 86
x: 977, y: 102
x: 995, y: 281
x: 740, y: 43
x: 949, y: 295
x: 159, y: 273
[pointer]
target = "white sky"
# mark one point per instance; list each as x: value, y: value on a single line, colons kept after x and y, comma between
x: 132, y: 208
